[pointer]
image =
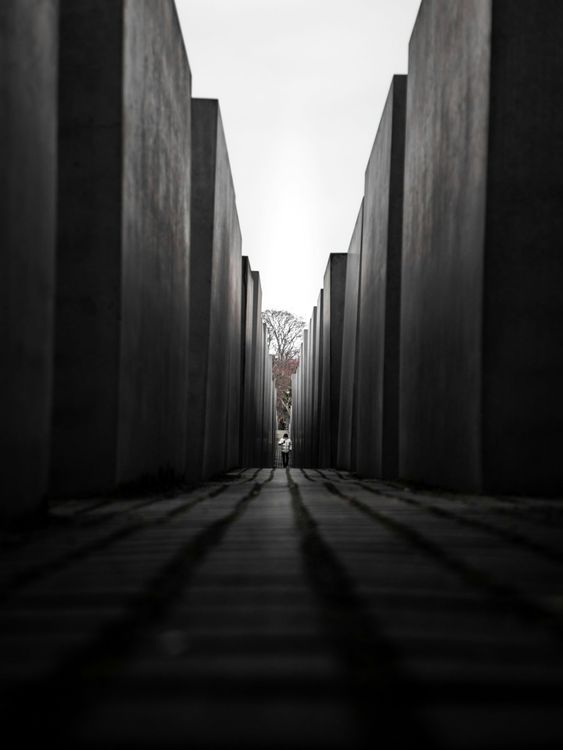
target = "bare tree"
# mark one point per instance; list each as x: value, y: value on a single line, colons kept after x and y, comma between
x: 285, y: 332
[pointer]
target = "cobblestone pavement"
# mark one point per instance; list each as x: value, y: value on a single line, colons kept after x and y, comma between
x: 303, y: 609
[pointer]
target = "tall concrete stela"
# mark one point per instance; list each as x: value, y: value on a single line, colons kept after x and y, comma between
x: 452, y: 347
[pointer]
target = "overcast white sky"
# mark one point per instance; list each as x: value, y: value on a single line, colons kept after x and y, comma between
x: 301, y: 85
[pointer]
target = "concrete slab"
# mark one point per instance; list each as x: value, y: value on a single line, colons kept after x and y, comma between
x: 311, y: 427
x: 214, y: 296
x: 346, y: 448
x: 123, y: 246
x: 332, y: 325
x: 258, y: 366
x: 248, y: 374
x: 28, y: 136
x: 302, y: 455
x: 481, y: 352
x: 317, y: 378
x: 377, y: 365
x: 234, y: 368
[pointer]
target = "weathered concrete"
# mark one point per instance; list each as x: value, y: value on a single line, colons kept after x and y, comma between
x: 28, y: 127
x: 214, y: 296
x: 155, y: 230
x: 302, y: 451
x: 377, y: 364
x: 318, y: 373
x: 269, y: 412
x: 248, y: 374
x: 263, y: 393
x: 258, y: 367
x: 312, y: 429
x: 481, y: 351
x: 122, y: 257
x: 334, y: 285
x: 346, y: 449
x: 233, y: 323
x: 298, y: 409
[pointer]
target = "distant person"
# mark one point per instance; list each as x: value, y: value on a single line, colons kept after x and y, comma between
x: 285, y: 443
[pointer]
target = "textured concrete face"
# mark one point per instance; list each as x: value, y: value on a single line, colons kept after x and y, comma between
x: 318, y: 375
x: 123, y: 240
x: 297, y: 409
x: 481, y: 356
x: 28, y: 124
x: 377, y: 404
x: 312, y: 391
x: 214, y: 297
x: 248, y: 374
x: 304, y: 404
x: 234, y: 328
x: 331, y: 363
x: 444, y: 220
x: 523, y: 303
x: 268, y: 419
x: 258, y: 368
x: 155, y: 231
x: 86, y: 384
x: 346, y: 455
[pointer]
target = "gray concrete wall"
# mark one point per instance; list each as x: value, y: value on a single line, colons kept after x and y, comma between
x: 346, y: 449
x: 304, y: 365
x: 444, y: 221
x: 265, y: 405
x: 28, y: 134
x: 481, y: 346
x: 318, y: 373
x: 258, y: 367
x: 155, y: 242
x: 234, y: 326
x: 522, y: 346
x: 89, y: 273
x: 312, y: 429
x: 332, y: 326
x: 297, y: 409
x: 377, y: 404
x: 268, y: 419
x: 248, y: 374
x: 294, y: 421
x: 214, y: 297
x: 123, y: 243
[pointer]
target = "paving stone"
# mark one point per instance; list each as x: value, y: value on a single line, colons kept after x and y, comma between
x: 291, y: 610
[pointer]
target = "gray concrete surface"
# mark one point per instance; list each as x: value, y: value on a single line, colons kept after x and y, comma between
x: 286, y: 610
x: 155, y: 236
x: 301, y: 403
x: 268, y: 418
x: 233, y: 323
x: 28, y: 136
x: 481, y: 353
x: 331, y: 364
x: 258, y: 367
x: 522, y: 345
x: 123, y: 244
x: 313, y: 387
x: 378, y: 337
x: 317, y: 377
x: 346, y: 449
x: 444, y: 225
x: 215, y: 290
x: 248, y: 374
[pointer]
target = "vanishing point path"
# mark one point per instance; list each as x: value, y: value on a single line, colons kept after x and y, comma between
x: 293, y: 609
